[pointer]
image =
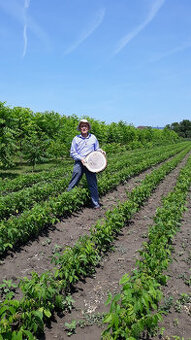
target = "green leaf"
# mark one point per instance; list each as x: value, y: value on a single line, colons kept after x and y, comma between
x: 108, y: 299
x: 29, y: 334
x: 17, y: 335
x: 124, y: 279
x: 47, y: 313
x: 108, y: 318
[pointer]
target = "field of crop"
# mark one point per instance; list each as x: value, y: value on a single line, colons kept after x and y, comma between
x: 61, y: 260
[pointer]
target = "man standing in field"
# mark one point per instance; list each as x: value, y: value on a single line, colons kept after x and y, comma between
x: 81, y: 146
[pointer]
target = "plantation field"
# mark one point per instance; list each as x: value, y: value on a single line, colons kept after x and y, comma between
x: 90, y: 296
x: 43, y: 228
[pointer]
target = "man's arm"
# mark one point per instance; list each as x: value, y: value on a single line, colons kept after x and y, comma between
x: 97, y: 148
x: 73, y: 152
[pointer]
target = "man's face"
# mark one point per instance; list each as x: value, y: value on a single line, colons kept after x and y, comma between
x: 84, y: 127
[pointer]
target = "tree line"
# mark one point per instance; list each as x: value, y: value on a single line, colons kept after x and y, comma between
x: 35, y: 137
x: 183, y: 129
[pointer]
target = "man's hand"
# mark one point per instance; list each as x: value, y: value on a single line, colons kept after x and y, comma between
x: 83, y: 161
x: 103, y: 152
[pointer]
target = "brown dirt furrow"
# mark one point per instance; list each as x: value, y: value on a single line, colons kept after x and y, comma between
x: 91, y: 294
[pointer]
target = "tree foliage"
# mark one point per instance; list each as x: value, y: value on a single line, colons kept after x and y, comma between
x: 33, y: 136
x: 183, y: 129
x: 7, y: 136
x: 35, y: 145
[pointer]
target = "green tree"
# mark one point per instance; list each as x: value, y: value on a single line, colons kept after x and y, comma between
x: 7, y: 137
x: 58, y: 149
x: 23, y: 119
x: 49, y: 122
x: 183, y: 129
x: 35, y: 146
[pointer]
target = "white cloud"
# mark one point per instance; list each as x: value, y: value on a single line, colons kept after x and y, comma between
x: 94, y: 25
x: 127, y: 38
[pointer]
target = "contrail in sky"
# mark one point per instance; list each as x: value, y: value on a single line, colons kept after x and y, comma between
x: 94, y: 25
x: 168, y: 53
x: 18, y: 12
x: 26, y: 6
x: 127, y: 38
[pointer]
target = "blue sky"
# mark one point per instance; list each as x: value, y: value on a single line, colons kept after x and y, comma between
x: 113, y: 60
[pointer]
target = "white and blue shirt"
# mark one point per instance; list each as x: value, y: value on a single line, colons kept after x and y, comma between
x: 82, y: 146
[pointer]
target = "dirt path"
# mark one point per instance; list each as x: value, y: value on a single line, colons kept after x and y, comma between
x: 91, y: 295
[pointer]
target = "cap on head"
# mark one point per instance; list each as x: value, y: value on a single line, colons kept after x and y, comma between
x: 85, y: 121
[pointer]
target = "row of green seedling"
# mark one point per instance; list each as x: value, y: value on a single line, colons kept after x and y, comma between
x: 134, y: 312
x: 16, y: 202
x: 45, y: 294
x: 18, y: 230
x: 107, y: 183
x: 127, y: 158
x: 27, y: 180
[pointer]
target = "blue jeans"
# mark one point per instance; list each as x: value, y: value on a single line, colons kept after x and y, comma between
x: 78, y: 171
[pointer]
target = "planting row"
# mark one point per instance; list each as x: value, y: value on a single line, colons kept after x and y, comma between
x: 147, y: 161
x: 47, y: 293
x: 127, y: 159
x: 135, y: 309
x: 20, y: 229
x: 16, y: 202
x: 28, y: 180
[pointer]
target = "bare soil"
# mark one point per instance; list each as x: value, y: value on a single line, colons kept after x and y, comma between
x: 91, y: 294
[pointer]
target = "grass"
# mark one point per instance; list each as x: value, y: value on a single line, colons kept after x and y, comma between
x: 21, y: 168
